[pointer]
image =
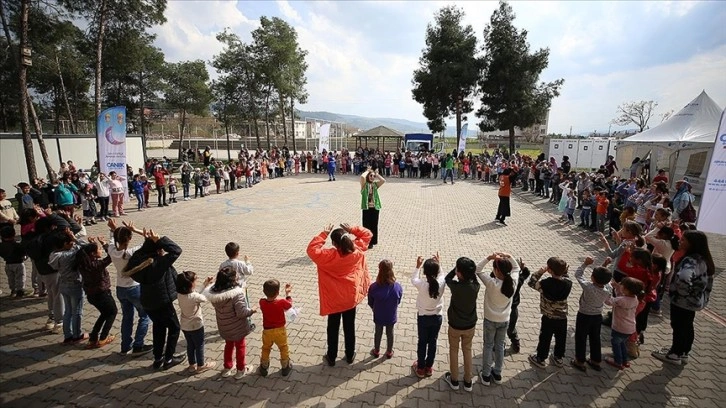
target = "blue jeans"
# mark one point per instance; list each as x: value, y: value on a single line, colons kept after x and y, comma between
x: 428, y: 334
x: 185, y: 188
x: 130, y: 299
x: 449, y: 174
x: 72, y: 294
x: 140, y: 200
x: 195, y: 346
x: 331, y: 172
x: 620, y: 353
x: 494, y: 333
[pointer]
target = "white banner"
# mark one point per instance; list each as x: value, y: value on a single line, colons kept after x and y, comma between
x: 324, y: 137
x: 713, y: 201
x: 112, y: 142
x: 462, y: 137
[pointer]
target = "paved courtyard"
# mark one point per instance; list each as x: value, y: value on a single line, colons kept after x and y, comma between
x: 273, y: 222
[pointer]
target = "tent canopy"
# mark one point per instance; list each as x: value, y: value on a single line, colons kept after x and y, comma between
x: 695, y: 123
x: 380, y: 131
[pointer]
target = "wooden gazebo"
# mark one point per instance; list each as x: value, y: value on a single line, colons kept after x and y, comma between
x: 379, y: 133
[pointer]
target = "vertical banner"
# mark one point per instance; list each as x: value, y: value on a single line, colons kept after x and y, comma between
x: 324, y: 137
x: 713, y: 201
x: 112, y: 142
x: 462, y: 137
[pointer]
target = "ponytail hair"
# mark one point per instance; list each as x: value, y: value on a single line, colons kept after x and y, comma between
x: 121, y: 236
x: 634, y: 286
x: 342, y: 242
x: 504, y: 266
x: 431, y: 272
x: 83, y: 256
x: 670, y: 235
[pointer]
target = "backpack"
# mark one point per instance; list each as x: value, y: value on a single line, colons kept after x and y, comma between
x: 688, y: 214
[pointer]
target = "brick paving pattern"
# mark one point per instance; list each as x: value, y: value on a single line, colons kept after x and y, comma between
x: 273, y: 222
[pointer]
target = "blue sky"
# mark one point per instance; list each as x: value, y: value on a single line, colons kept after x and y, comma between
x: 362, y: 54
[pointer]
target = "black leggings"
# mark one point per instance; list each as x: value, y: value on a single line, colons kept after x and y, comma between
x: 106, y: 314
x: 348, y: 318
x: 166, y: 331
x: 161, y: 190
x: 103, y: 202
x: 370, y: 221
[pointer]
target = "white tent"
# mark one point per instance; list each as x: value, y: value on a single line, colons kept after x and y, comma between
x: 682, y: 144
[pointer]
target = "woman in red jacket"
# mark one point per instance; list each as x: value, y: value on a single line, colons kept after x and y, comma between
x: 343, y: 282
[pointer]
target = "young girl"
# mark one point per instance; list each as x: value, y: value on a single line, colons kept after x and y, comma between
x: 117, y: 194
x: 89, y: 205
x: 138, y: 189
x: 570, y: 206
x: 462, y: 320
x: 97, y: 284
x: 637, y: 263
x: 430, y: 304
x: 500, y: 287
x: 192, y: 321
x: 384, y: 296
x: 69, y: 286
x: 232, y: 311
x: 664, y: 242
x: 629, y: 293
x: 172, y: 189
x: 147, y: 189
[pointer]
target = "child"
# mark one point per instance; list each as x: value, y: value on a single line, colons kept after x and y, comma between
x: 97, y: 285
x: 88, y: 201
x: 273, y: 322
x: 402, y: 166
x: 430, y: 304
x: 570, y: 206
x: 117, y: 194
x: 589, y: 317
x: 462, y: 320
x: 514, y: 314
x: 13, y: 253
x: 147, y: 189
x: 500, y: 289
x: 205, y: 182
x: 192, y: 321
x: 243, y: 269
x: 138, y: 188
x: 384, y: 296
x: 602, y: 210
x: 8, y: 216
x: 232, y: 311
x: 198, y: 183
x: 553, y: 306
x: 630, y: 292
x: 586, y: 209
x: 172, y: 190
x: 69, y: 285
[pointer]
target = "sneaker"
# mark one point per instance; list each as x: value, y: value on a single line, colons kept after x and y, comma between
x: 286, y: 370
x: 137, y: 351
x: 207, y: 366
x: 557, y: 361
x: 497, y: 378
x: 375, y: 353
x: 485, y: 379
x: 420, y: 373
x: 192, y: 368
x: 626, y: 364
x: 351, y: 359
x: 536, y: 361
x: 327, y: 360
x: 176, y: 360
x: 614, y: 364
x: 641, y: 338
x: 684, y: 359
x: 49, y: 324
x: 110, y: 338
x: 429, y: 371
x: 389, y: 354
x: 595, y: 366
x: 57, y: 328
x: 453, y: 384
x: 242, y: 373
x: 468, y: 386
x: 515, y: 347
x: 665, y: 356
x: 229, y: 372
x: 263, y: 371
x: 157, y: 364
x: 578, y: 365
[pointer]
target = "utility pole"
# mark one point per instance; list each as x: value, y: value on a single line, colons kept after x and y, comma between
x: 458, y: 119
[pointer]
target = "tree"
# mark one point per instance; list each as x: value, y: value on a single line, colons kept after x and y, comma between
x: 511, y: 94
x: 186, y: 89
x: 23, y: 92
x: 636, y: 113
x: 448, y: 71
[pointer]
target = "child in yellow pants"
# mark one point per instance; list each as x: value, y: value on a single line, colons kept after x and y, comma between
x: 273, y: 321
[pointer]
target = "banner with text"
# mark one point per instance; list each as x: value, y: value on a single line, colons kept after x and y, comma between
x: 324, y: 137
x: 462, y: 137
x: 713, y: 201
x: 112, y: 142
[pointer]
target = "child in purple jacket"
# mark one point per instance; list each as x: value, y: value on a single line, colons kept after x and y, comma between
x: 384, y: 296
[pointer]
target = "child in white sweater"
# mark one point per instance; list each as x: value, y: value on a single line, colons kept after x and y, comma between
x: 430, y: 305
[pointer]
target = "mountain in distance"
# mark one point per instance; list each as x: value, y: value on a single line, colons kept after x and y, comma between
x: 364, y: 123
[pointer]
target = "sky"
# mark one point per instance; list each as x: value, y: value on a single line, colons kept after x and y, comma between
x: 362, y: 54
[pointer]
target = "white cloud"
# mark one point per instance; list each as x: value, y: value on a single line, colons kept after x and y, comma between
x: 288, y: 12
x: 670, y: 8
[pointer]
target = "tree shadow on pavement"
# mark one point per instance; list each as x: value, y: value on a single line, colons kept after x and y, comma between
x: 481, y: 228
x: 299, y: 261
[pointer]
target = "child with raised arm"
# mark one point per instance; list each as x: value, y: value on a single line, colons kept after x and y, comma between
x: 97, y: 285
x: 595, y: 291
x: 553, y: 306
x: 629, y: 293
x: 243, y: 269
x: 273, y: 322
x: 500, y: 288
x: 384, y: 296
x: 430, y: 304
x: 192, y: 320
x: 462, y: 320
x: 514, y: 314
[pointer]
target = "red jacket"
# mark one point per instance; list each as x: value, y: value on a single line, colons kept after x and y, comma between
x: 160, y: 177
x: 343, y: 280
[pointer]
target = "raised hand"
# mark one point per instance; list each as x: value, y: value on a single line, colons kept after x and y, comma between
x: 208, y: 280
x: 111, y: 224
x: 101, y: 241
x: 419, y: 261
x: 607, y: 261
x: 437, y: 258
x: 153, y: 236
x: 246, y: 258
x: 288, y: 289
x: 521, y: 263
x: 345, y: 226
x: 328, y: 228
x: 588, y: 261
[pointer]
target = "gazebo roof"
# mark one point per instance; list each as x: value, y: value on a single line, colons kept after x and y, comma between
x: 380, y: 131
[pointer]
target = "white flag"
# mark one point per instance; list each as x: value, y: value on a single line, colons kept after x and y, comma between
x: 462, y: 137
x: 325, y: 137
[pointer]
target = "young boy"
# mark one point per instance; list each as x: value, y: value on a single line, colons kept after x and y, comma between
x: 273, y: 321
x: 462, y: 320
x: 8, y: 216
x: 514, y: 314
x: 602, y: 210
x: 553, y: 306
x: 242, y: 268
x: 589, y: 317
x: 14, y: 254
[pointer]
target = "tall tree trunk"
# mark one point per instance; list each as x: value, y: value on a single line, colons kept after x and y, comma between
x: 267, y: 120
x: 282, y: 112
x: 458, y: 122
x: 181, y: 132
x: 41, y: 142
x: 99, y: 59
x: 6, y: 29
x: 23, y: 90
x: 511, y: 140
x: 257, y: 128
x: 292, y: 121
x: 65, y: 96
x: 141, y: 113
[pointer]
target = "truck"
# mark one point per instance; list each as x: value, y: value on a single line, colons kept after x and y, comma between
x: 418, y: 142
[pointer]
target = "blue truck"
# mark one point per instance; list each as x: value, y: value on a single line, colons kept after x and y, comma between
x: 418, y: 142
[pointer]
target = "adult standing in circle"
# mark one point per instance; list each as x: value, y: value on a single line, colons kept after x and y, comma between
x: 690, y: 288
x: 370, y: 202
x: 207, y: 156
x: 343, y: 282
x: 505, y: 190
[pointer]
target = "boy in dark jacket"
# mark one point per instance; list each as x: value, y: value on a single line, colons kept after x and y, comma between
x: 553, y: 305
x: 514, y: 315
x: 13, y: 254
x: 152, y: 266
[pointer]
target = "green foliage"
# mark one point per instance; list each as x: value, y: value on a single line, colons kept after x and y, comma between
x: 186, y: 87
x: 448, y: 68
x: 511, y: 94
